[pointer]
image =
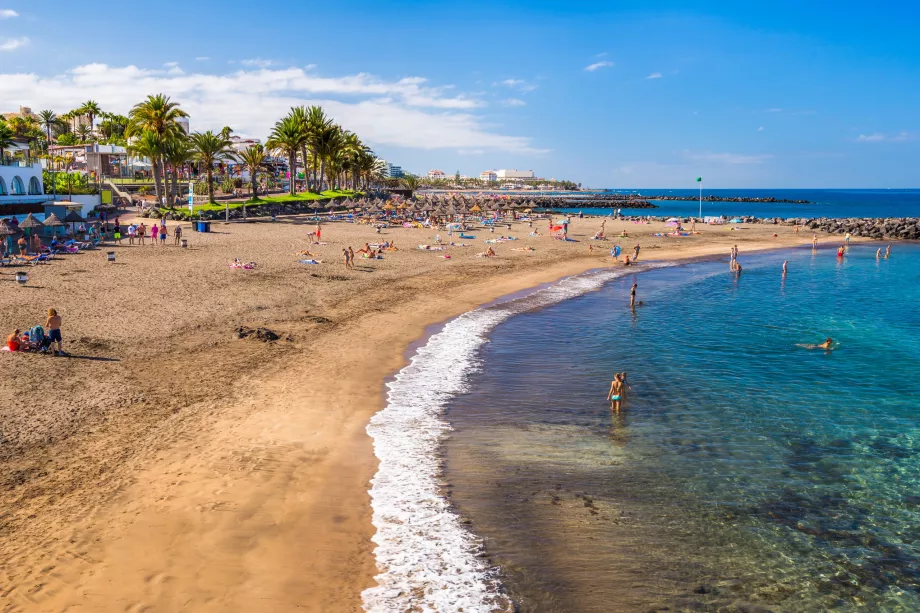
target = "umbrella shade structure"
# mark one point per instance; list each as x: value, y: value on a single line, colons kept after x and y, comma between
x: 475, y: 209
x: 53, y: 221
x: 73, y: 217
x: 388, y: 207
x: 6, y: 229
x: 30, y: 223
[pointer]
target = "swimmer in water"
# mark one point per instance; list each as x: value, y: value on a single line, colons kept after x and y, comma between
x: 827, y: 345
x: 785, y: 267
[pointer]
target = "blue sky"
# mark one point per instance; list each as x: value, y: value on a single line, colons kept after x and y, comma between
x: 608, y: 94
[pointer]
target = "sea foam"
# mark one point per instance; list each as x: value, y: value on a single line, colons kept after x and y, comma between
x: 427, y: 559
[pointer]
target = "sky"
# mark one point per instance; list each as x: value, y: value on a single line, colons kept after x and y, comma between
x: 607, y: 94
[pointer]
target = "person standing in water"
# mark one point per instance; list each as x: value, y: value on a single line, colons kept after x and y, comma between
x: 785, y: 267
x: 632, y: 296
x: 814, y: 241
x: 878, y: 253
x: 887, y: 251
x: 615, y: 395
x: 636, y: 255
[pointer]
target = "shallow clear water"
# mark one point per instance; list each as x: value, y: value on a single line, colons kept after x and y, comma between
x: 745, y: 472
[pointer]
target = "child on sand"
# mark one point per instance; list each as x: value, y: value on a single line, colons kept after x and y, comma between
x: 13, y: 341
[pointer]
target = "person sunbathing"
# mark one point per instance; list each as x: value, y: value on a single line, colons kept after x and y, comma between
x: 305, y: 254
x: 490, y: 253
x: 13, y: 341
x: 391, y: 247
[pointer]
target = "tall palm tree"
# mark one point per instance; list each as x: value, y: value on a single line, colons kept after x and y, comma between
x: 177, y: 153
x: 48, y: 120
x: 225, y: 132
x: 253, y: 157
x: 317, y: 124
x: 91, y: 109
x: 208, y: 149
x: 287, y: 137
x: 157, y: 114
x: 410, y: 182
x: 150, y: 145
x: 328, y: 143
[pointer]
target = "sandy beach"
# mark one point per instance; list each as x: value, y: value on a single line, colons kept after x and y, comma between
x: 170, y: 465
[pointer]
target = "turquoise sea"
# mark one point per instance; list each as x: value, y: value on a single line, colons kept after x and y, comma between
x: 745, y: 474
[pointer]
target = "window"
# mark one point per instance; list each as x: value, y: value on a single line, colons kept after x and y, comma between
x: 2, y: 187
x: 17, y: 188
x: 35, y: 186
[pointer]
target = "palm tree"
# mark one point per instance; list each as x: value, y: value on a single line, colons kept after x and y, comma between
x: 150, y: 145
x: 409, y: 182
x: 208, y: 149
x: 48, y: 120
x: 316, y: 124
x: 252, y: 157
x: 177, y: 153
x: 83, y: 131
x: 157, y: 114
x: 225, y: 132
x: 287, y: 136
x: 329, y: 141
x: 6, y: 138
x: 91, y: 109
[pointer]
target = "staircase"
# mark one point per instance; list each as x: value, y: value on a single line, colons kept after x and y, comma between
x: 121, y: 194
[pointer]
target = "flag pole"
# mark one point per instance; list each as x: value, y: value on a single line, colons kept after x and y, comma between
x: 701, y: 198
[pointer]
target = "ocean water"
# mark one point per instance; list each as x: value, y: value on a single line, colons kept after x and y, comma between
x: 746, y: 473
x: 837, y: 203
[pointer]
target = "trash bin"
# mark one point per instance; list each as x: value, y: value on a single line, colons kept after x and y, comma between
x: 22, y: 278
x: 110, y: 255
x: 184, y: 244
x: 204, y: 226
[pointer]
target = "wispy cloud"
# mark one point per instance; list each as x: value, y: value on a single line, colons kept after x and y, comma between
x: 654, y: 75
x: 729, y: 158
x: 8, y: 14
x: 256, y: 62
x: 514, y: 102
x: 600, y: 55
x: 598, y: 66
x: 400, y: 113
x: 880, y: 137
x: 11, y: 44
x: 202, y: 58
x: 519, y: 84
x: 760, y: 129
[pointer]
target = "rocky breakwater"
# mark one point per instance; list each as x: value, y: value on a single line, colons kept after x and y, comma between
x: 765, y: 199
x: 601, y: 201
x: 903, y: 228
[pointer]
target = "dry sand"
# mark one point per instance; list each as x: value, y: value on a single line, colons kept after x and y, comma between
x: 168, y: 465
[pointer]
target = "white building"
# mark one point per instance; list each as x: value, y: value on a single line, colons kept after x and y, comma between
x: 21, y: 182
x: 436, y: 174
x: 183, y: 123
x: 514, y: 174
x: 488, y: 175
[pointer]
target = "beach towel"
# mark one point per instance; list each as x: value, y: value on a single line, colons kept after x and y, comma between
x: 309, y: 262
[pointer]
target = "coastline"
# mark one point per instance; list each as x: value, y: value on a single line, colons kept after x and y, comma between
x: 268, y: 503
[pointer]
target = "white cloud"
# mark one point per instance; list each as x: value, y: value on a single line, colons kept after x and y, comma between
x: 518, y: 84
x: 879, y: 137
x: 405, y: 113
x: 598, y: 66
x: 760, y: 129
x: 728, y: 158
x: 654, y: 75
x: 257, y: 62
x: 202, y: 58
x: 11, y: 44
x: 514, y: 102
x: 600, y: 55
x: 8, y: 14
x: 171, y: 64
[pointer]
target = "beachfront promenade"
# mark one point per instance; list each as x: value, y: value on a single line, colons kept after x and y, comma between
x: 170, y: 461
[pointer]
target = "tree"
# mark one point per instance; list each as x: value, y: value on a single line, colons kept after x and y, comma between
x: 253, y: 157
x: 409, y: 182
x: 208, y: 149
x: 287, y: 137
x: 6, y: 138
x: 91, y: 109
x: 328, y: 142
x: 84, y: 133
x: 159, y: 115
x: 150, y: 145
x: 48, y: 119
x: 225, y: 132
x: 316, y: 124
x: 177, y: 153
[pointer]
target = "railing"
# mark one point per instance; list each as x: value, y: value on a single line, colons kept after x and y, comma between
x: 19, y: 163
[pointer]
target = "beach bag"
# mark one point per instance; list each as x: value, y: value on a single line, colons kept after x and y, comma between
x: 36, y: 334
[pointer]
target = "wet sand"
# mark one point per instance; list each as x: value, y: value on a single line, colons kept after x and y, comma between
x: 169, y: 465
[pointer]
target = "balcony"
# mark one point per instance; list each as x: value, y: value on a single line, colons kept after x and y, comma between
x: 18, y: 163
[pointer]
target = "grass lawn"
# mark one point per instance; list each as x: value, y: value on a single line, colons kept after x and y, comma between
x: 281, y: 199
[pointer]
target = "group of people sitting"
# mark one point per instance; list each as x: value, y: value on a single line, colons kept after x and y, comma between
x: 40, y: 339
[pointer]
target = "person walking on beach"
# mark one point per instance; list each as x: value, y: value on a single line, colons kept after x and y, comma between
x: 636, y: 255
x: 132, y: 231
x: 163, y: 235
x: 351, y: 254
x: 319, y: 233
x: 53, y: 325
x: 616, y: 253
x: 141, y: 231
x: 632, y: 296
x: 178, y: 233
x: 814, y: 241
x: 347, y: 258
x: 154, y: 230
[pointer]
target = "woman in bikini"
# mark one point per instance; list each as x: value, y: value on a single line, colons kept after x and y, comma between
x: 615, y: 395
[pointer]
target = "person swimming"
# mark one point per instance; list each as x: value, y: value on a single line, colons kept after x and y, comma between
x: 827, y: 345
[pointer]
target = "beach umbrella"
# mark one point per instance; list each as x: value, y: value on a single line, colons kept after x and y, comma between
x: 475, y: 209
x: 388, y: 207
x: 53, y: 221
x: 6, y: 229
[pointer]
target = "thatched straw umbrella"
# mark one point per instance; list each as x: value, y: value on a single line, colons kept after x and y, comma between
x: 475, y: 209
x: 6, y: 233
x: 30, y: 223
x: 73, y: 218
